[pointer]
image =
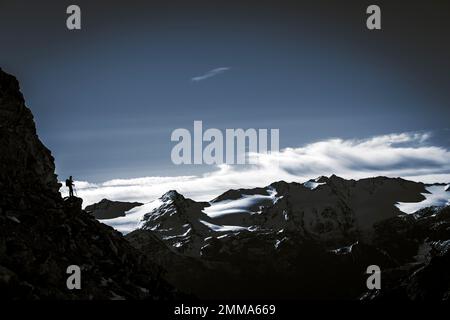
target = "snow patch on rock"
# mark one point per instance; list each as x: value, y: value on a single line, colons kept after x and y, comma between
x: 438, y: 196
x: 242, y: 205
x: 133, y: 217
x: 220, y: 228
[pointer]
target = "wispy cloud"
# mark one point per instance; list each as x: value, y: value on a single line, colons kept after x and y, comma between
x: 404, y: 155
x: 210, y: 74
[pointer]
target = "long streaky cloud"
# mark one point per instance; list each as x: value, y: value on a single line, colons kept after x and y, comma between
x: 406, y: 155
x: 210, y: 74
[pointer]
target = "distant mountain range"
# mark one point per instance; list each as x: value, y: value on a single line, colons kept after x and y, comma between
x: 324, y: 208
x: 300, y: 240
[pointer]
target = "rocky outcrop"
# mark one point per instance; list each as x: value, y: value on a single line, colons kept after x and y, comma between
x: 41, y: 234
x: 107, y: 209
x: 27, y: 170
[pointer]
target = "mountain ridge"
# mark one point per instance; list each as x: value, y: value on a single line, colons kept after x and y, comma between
x: 333, y: 208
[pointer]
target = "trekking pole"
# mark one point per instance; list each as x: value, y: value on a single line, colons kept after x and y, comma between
x: 75, y: 189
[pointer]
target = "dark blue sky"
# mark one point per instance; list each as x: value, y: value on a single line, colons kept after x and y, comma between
x: 107, y: 98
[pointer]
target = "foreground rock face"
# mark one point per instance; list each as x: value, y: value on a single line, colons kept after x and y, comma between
x: 27, y: 170
x: 41, y: 234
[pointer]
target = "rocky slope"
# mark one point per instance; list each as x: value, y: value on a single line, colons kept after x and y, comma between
x: 420, y: 245
x: 41, y: 234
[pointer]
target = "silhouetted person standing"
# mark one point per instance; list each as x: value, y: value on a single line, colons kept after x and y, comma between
x: 69, y: 184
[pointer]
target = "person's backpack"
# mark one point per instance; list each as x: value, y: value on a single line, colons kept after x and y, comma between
x: 68, y: 184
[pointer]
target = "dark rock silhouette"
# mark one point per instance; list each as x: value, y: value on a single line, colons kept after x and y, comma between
x: 41, y: 234
x: 107, y: 209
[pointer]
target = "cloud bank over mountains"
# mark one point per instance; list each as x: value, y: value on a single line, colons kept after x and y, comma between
x: 406, y: 155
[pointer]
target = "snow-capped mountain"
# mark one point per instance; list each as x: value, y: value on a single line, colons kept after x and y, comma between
x: 315, y: 239
x: 329, y: 209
